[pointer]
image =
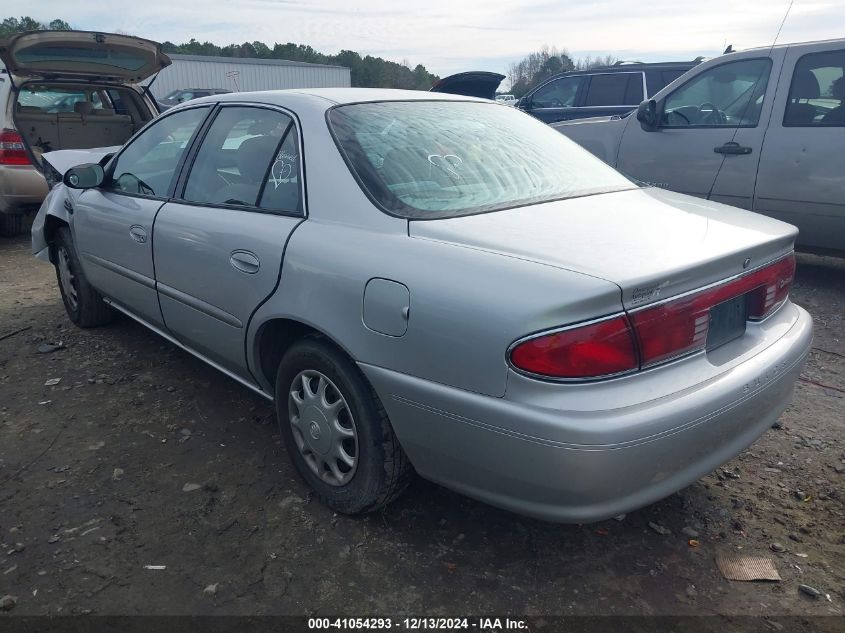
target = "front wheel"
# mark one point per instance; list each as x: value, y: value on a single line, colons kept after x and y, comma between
x: 336, y: 430
x: 84, y: 305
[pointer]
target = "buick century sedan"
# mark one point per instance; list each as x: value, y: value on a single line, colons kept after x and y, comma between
x: 435, y: 284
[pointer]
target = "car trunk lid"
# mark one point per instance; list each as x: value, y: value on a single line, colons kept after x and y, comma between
x: 82, y: 55
x: 478, y: 83
x: 653, y: 244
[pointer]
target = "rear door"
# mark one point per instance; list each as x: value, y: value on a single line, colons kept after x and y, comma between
x: 113, y: 224
x: 801, y: 178
x: 711, y: 133
x: 608, y: 94
x: 219, y: 244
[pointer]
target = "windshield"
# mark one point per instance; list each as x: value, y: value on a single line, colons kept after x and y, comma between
x: 436, y: 159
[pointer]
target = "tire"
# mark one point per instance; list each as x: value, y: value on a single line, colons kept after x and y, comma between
x: 84, y: 305
x: 381, y: 470
x: 11, y: 224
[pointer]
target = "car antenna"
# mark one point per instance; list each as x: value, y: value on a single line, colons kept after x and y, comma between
x: 753, y: 88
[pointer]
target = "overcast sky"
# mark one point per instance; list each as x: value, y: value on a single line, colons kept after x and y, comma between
x: 453, y: 35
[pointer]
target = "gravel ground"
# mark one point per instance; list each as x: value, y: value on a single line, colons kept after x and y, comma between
x: 143, y: 456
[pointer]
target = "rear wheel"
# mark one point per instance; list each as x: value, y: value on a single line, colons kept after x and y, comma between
x: 336, y: 430
x: 84, y: 305
x: 11, y: 224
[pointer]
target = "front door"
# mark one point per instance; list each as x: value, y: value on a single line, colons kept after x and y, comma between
x: 113, y: 224
x: 710, y: 136
x: 219, y: 244
x: 556, y: 100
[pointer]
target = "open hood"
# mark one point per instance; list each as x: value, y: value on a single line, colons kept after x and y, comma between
x: 82, y: 55
x: 472, y: 84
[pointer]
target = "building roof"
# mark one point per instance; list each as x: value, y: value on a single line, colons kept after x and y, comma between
x: 246, y: 60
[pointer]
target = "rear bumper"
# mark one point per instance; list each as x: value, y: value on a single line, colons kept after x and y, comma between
x: 570, y: 465
x: 22, y: 188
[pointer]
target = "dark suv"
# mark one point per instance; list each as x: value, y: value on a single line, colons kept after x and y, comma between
x: 604, y: 91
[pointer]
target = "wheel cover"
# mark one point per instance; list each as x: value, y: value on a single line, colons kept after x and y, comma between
x: 67, y: 279
x: 323, y: 427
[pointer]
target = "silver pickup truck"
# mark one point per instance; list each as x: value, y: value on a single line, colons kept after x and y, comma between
x: 761, y: 129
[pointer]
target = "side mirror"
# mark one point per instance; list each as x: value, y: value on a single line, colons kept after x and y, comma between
x: 84, y: 176
x: 524, y: 103
x: 647, y: 115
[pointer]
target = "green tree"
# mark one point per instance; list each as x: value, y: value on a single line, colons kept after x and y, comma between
x: 10, y: 26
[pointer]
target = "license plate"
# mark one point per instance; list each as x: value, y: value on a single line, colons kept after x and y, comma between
x: 727, y: 322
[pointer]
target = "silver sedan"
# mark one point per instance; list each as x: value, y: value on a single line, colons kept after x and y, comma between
x: 441, y: 285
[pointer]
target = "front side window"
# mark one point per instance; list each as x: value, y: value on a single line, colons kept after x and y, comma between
x: 560, y: 93
x: 615, y: 89
x: 435, y: 159
x: 817, y: 91
x: 730, y: 95
x: 243, y: 157
x: 146, y: 167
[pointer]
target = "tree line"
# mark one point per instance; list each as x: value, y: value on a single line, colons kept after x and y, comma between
x: 549, y: 60
x: 366, y: 71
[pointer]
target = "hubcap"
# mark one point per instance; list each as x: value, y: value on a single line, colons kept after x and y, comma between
x: 67, y: 279
x: 323, y: 427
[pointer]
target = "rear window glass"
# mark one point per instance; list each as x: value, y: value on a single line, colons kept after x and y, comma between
x: 615, y: 89
x: 430, y: 159
x: 64, y: 56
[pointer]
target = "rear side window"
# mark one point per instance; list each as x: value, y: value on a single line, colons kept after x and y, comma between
x: 817, y: 91
x: 242, y: 153
x: 615, y: 89
x: 438, y: 159
x: 668, y: 76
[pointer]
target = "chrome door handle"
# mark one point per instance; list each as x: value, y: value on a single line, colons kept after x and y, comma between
x: 732, y: 148
x: 245, y: 262
x: 138, y: 233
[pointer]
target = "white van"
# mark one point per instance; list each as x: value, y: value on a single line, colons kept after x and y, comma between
x: 66, y: 90
x: 761, y: 129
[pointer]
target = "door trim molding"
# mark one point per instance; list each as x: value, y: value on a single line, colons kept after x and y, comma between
x: 120, y: 270
x: 199, y: 305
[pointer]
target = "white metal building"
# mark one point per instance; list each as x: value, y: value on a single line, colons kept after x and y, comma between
x: 243, y: 75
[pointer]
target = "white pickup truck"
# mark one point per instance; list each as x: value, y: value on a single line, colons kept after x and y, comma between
x: 761, y: 129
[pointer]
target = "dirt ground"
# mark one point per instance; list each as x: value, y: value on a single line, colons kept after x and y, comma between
x: 142, y: 455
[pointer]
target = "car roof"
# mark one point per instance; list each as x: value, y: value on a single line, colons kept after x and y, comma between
x: 627, y: 67
x: 325, y: 98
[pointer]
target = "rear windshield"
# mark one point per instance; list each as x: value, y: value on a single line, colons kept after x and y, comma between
x: 438, y: 159
x: 64, y: 55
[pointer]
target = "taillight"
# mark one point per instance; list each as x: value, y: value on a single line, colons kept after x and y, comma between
x: 12, y: 149
x: 650, y: 335
x: 679, y: 326
x: 595, y: 350
x: 775, y: 283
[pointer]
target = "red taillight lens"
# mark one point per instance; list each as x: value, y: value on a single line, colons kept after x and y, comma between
x: 680, y: 326
x: 775, y: 282
x: 12, y: 150
x: 598, y: 349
